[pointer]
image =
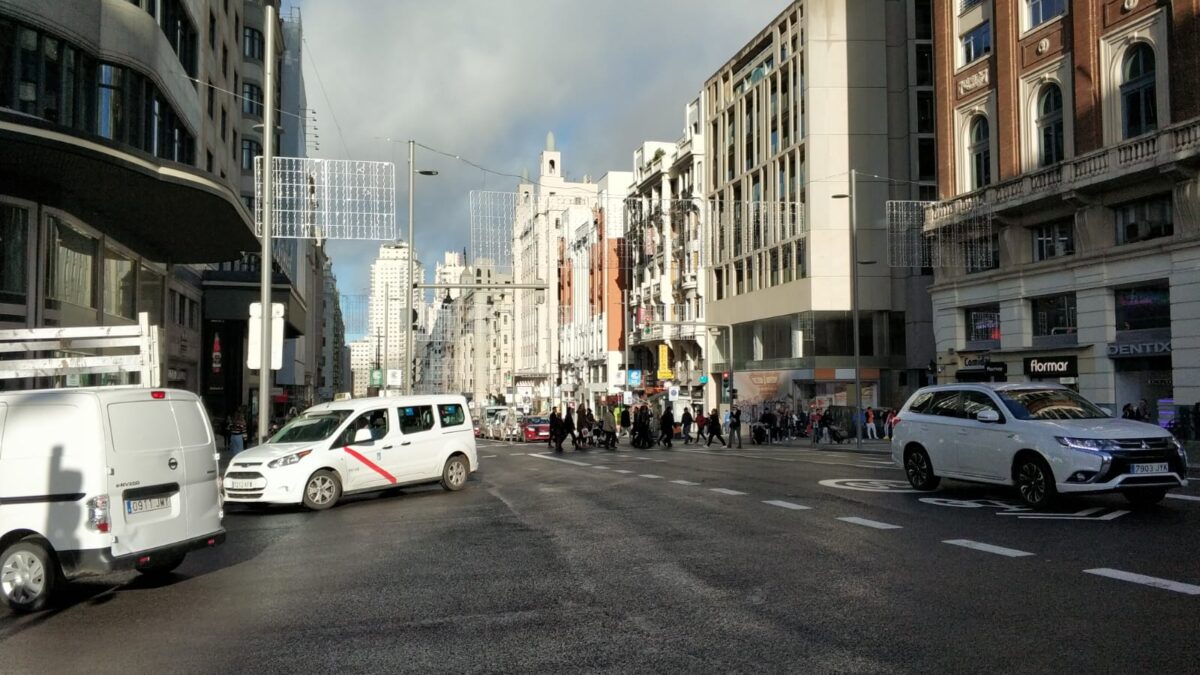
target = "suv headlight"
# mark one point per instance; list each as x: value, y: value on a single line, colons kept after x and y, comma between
x: 1086, y: 444
x: 288, y: 460
x: 1182, y: 453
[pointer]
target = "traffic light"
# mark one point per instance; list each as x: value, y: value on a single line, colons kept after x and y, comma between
x: 726, y: 384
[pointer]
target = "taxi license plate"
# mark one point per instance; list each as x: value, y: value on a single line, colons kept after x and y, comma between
x: 241, y: 484
x: 143, y: 505
x: 1149, y: 468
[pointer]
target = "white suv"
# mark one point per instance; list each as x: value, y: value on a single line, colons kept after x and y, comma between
x: 1044, y: 439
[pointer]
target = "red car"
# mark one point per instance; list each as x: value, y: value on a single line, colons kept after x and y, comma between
x: 534, y: 428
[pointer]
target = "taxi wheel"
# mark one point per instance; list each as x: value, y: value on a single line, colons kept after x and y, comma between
x: 454, y: 475
x: 322, y: 490
x: 29, y: 575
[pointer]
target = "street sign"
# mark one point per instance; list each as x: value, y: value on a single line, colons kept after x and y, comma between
x: 395, y: 377
x: 254, y: 348
x: 376, y: 378
x: 627, y: 399
x: 635, y: 377
x: 673, y: 394
x: 703, y: 379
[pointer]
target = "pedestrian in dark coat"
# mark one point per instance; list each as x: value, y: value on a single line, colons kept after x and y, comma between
x: 667, y: 426
x: 714, y: 428
x: 686, y: 425
x: 556, y: 430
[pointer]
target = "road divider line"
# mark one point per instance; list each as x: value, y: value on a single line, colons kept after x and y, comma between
x: 559, y: 459
x: 486, y: 456
x: 604, y: 468
x: 1190, y: 498
x: 648, y: 475
x: 869, y: 523
x: 622, y: 471
x: 1165, y: 584
x: 727, y: 491
x: 787, y: 505
x: 684, y: 482
x: 987, y: 548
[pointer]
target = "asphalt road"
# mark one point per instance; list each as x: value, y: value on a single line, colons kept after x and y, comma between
x: 692, y: 560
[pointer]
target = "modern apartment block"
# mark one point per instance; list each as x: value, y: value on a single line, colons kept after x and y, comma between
x: 665, y: 242
x: 827, y: 87
x: 592, y: 286
x: 1070, y: 216
x: 117, y: 168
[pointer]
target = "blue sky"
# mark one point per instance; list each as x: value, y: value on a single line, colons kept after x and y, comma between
x: 486, y: 80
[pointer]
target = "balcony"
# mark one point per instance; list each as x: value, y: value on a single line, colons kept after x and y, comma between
x: 1098, y: 171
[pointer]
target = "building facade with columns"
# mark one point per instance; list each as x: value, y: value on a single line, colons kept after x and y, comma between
x: 1069, y: 136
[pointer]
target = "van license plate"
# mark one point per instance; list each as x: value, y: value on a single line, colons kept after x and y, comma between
x: 241, y: 485
x: 1149, y: 468
x: 144, y: 505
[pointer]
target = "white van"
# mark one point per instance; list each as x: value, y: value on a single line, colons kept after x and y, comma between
x: 101, y: 479
x: 360, y: 445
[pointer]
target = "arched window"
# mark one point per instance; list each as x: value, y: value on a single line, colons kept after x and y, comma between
x: 1139, y: 109
x: 1050, y: 125
x: 980, y: 153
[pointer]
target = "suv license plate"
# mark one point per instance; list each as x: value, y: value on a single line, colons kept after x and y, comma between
x: 1149, y: 468
x: 144, y: 505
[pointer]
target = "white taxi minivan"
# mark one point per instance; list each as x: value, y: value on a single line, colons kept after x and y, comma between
x: 359, y: 445
x: 94, y: 480
x: 1045, y: 439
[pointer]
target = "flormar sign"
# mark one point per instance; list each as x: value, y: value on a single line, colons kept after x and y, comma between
x: 1057, y: 366
x: 1120, y: 350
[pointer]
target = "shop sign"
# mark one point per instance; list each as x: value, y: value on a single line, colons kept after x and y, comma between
x: 1124, y: 350
x: 1055, y: 366
x: 664, y: 363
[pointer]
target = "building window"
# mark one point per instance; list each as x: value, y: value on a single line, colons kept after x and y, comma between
x: 208, y: 164
x: 977, y: 43
x: 1053, y: 240
x: 926, y: 159
x: 120, y: 283
x: 1144, y: 219
x: 980, y: 152
x: 983, y: 254
x: 924, y: 65
x: 1053, y: 315
x: 250, y: 150
x: 224, y: 123
x: 983, y: 323
x: 1050, y: 125
x: 924, y: 17
x: 14, y: 233
x: 1142, y: 307
x: 212, y: 30
x: 110, y: 113
x: 1041, y: 11
x: 71, y: 266
x: 149, y: 294
x: 252, y: 99
x: 225, y: 61
x: 212, y: 99
x: 252, y: 44
x: 925, y: 112
x: 1139, y: 110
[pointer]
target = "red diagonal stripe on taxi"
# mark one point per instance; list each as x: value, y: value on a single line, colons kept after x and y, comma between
x: 371, y: 465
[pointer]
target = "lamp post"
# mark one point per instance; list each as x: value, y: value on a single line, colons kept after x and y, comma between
x: 858, y: 412
x: 409, y: 368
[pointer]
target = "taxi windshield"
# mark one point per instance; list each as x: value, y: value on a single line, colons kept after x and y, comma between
x: 311, y: 426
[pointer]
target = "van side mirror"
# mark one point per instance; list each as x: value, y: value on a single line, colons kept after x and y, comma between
x: 988, y: 416
x: 363, y: 437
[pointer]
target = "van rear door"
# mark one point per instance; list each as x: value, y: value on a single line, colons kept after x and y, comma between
x: 200, y: 481
x: 147, y: 472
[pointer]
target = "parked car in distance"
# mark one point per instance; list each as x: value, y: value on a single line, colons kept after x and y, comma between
x: 504, y: 426
x: 1044, y: 439
x: 95, y: 480
x: 360, y: 445
x: 534, y: 428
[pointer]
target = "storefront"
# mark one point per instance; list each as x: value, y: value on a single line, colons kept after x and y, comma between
x: 1056, y: 369
x: 806, y: 388
x: 1144, y: 377
x: 982, y: 369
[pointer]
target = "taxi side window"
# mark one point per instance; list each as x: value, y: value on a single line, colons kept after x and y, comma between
x: 451, y: 415
x: 375, y: 420
x: 415, y: 418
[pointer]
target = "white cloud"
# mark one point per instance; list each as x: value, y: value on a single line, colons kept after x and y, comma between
x: 487, y: 79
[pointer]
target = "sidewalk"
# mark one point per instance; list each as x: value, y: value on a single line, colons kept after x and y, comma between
x: 879, y: 447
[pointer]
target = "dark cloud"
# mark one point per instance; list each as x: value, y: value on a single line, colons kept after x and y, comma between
x: 487, y: 79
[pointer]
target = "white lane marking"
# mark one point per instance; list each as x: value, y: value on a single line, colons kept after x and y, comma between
x: 600, y: 467
x: 560, y: 459
x: 1165, y: 584
x: 727, y: 491
x: 622, y: 471
x: 648, y: 475
x: 684, y: 482
x: 869, y: 523
x: 787, y: 505
x: 487, y: 456
x: 1190, y: 498
x: 987, y: 548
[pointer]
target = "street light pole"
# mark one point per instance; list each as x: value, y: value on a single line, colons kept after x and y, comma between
x: 409, y: 371
x: 858, y: 411
x: 268, y: 204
